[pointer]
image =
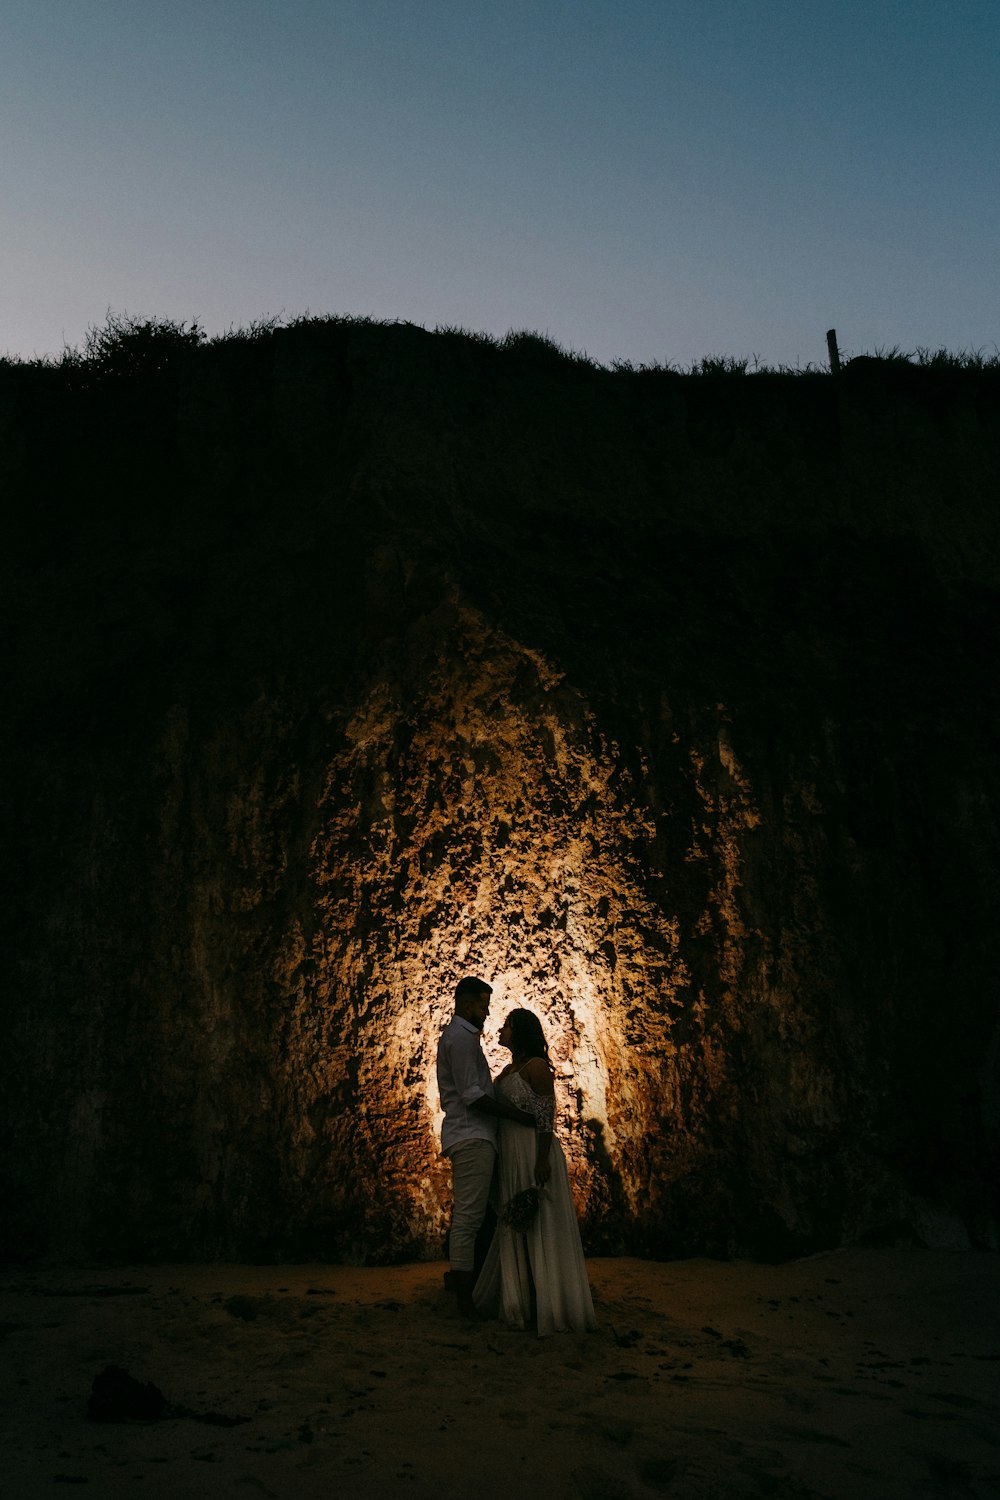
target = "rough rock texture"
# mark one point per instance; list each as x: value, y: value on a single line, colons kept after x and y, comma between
x: 353, y: 659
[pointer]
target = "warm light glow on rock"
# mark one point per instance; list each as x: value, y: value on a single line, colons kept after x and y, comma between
x: 478, y: 822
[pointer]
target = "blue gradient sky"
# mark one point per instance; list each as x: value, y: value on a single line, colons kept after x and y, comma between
x: 643, y: 179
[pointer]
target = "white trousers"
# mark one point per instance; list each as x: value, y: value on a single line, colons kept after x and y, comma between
x: 472, y: 1166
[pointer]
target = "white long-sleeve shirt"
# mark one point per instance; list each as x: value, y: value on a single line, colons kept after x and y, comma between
x: 463, y: 1076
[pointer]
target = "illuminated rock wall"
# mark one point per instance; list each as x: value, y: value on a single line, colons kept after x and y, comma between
x: 581, y: 698
x: 478, y: 822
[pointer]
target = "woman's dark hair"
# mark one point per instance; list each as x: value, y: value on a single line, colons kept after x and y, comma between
x: 526, y: 1034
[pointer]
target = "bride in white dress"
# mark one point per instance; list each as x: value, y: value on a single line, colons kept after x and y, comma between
x: 535, y: 1271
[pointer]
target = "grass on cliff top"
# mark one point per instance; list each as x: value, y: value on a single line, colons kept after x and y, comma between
x: 126, y: 346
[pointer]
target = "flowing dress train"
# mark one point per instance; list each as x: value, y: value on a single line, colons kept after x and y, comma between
x: 540, y: 1276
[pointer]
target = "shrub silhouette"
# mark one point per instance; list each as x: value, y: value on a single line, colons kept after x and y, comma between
x: 128, y: 348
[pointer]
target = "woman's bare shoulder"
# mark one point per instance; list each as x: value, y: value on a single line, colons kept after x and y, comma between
x: 538, y: 1072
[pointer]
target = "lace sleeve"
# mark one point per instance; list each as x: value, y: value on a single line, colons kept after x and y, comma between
x: 545, y: 1114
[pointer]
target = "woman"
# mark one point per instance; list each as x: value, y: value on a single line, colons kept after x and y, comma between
x: 535, y: 1272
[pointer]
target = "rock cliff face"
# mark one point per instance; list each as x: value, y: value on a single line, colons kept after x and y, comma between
x: 354, y: 659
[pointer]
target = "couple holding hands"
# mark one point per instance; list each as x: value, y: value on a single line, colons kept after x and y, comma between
x: 501, y: 1131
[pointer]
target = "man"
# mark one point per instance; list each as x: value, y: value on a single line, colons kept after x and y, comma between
x: 469, y: 1132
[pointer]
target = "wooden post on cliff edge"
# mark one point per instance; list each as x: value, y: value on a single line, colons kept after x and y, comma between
x: 834, y: 352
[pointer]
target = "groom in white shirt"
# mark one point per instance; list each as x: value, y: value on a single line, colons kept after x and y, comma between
x: 469, y: 1132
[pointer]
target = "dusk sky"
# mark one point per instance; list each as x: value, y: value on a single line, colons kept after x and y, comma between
x: 654, y: 180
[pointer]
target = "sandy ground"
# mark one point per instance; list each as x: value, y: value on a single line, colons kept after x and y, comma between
x: 853, y: 1374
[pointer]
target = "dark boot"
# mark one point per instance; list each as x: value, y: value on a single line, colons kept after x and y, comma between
x: 462, y: 1283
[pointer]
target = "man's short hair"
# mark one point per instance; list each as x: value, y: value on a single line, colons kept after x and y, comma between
x: 471, y: 988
